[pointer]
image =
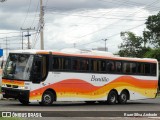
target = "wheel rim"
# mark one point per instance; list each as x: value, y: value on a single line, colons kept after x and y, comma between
x: 113, y: 98
x: 47, y: 99
x: 123, y: 97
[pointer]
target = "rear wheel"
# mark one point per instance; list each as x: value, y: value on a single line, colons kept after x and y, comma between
x: 112, y: 98
x: 123, y: 97
x: 47, y: 98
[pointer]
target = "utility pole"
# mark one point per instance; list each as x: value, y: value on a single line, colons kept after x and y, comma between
x: 6, y: 42
x: 105, y: 43
x: 22, y: 40
x: 28, y: 35
x: 41, y: 20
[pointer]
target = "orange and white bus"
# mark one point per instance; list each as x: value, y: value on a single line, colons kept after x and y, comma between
x: 48, y: 76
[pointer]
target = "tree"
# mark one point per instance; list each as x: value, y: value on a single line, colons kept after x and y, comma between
x: 153, y: 53
x: 2, y: 0
x: 153, y: 33
x: 132, y: 45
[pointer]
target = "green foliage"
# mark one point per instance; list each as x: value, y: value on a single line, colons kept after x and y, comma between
x: 153, y: 53
x: 153, y: 25
x: 136, y: 46
x: 132, y: 45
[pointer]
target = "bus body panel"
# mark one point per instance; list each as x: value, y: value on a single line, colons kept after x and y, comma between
x: 94, y: 87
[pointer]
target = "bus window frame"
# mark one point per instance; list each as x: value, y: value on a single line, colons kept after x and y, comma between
x: 56, y: 56
x: 101, y: 72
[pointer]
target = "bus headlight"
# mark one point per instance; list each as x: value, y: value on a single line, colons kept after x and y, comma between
x: 21, y: 87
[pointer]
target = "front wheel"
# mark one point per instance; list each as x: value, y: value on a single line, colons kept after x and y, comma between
x: 24, y: 102
x: 122, y: 99
x: 112, y: 98
x: 47, y: 98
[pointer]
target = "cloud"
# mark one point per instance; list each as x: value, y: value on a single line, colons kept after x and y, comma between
x: 68, y: 5
x: 84, y: 22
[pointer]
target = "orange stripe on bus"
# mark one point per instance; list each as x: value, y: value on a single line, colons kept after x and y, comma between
x: 80, y: 86
x: 13, y: 82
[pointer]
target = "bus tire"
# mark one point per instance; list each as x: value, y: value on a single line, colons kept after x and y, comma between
x: 24, y: 102
x: 112, y: 98
x: 123, y: 97
x: 47, y: 98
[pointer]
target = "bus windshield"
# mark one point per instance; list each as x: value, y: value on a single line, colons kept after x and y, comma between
x: 18, y: 67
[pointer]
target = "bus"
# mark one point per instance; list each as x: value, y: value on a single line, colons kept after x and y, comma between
x: 47, y: 76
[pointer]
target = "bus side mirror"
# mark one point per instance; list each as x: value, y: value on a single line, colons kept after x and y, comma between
x: 36, y: 74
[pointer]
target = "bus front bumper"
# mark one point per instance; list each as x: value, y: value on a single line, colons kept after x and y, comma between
x: 15, y: 93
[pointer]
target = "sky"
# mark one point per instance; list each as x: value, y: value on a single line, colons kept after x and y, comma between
x: 83, y: 24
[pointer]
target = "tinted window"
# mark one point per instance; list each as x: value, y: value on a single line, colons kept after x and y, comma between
x: 79, y: 64
x: 126, y: 68
x: 153, y: 69
x: 140, y: 68
x: 118, y: 67
x: 60, y: 63
x: 98, y: 65
x: 147, y: 69
x: 110, y: 66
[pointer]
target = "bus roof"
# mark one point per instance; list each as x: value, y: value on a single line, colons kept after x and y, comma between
x: 86, y: 54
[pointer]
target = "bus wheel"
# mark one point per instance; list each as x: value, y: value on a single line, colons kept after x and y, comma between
x: 47, y: 98
x: 112, y: 98
x: 24, y: 102
x: 122, y: 99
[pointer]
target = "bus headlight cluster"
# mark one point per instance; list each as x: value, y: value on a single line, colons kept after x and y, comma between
x: 21, y: 87
x: 3, y: 85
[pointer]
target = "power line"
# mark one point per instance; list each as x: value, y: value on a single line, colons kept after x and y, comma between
x: 35, y: 14
x: 110, y: 36
x: 101, y: 17
x: 9, y: 32
x: 115, y: 22
x: 27, y: 13
x: 15, y: 36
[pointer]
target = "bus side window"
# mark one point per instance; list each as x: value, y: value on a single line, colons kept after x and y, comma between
x: 84, y: 64
x: 126, y: 67
x: 140, y: 68
x: 147, y: 69
x: 101, y: 66
x: 55, y: 63
x: 153, y: 69
x: 133, y: 68
x: 94, y: 65
x: 76, y: 64
x: 118, y: 66
x: 110, y: 66
x: 66, y: 64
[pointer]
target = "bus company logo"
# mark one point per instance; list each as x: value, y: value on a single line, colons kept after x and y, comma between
x: 6, y: 114
x: 99, y: 79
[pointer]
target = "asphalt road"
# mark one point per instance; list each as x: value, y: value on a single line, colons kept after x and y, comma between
x: 67, y: 109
